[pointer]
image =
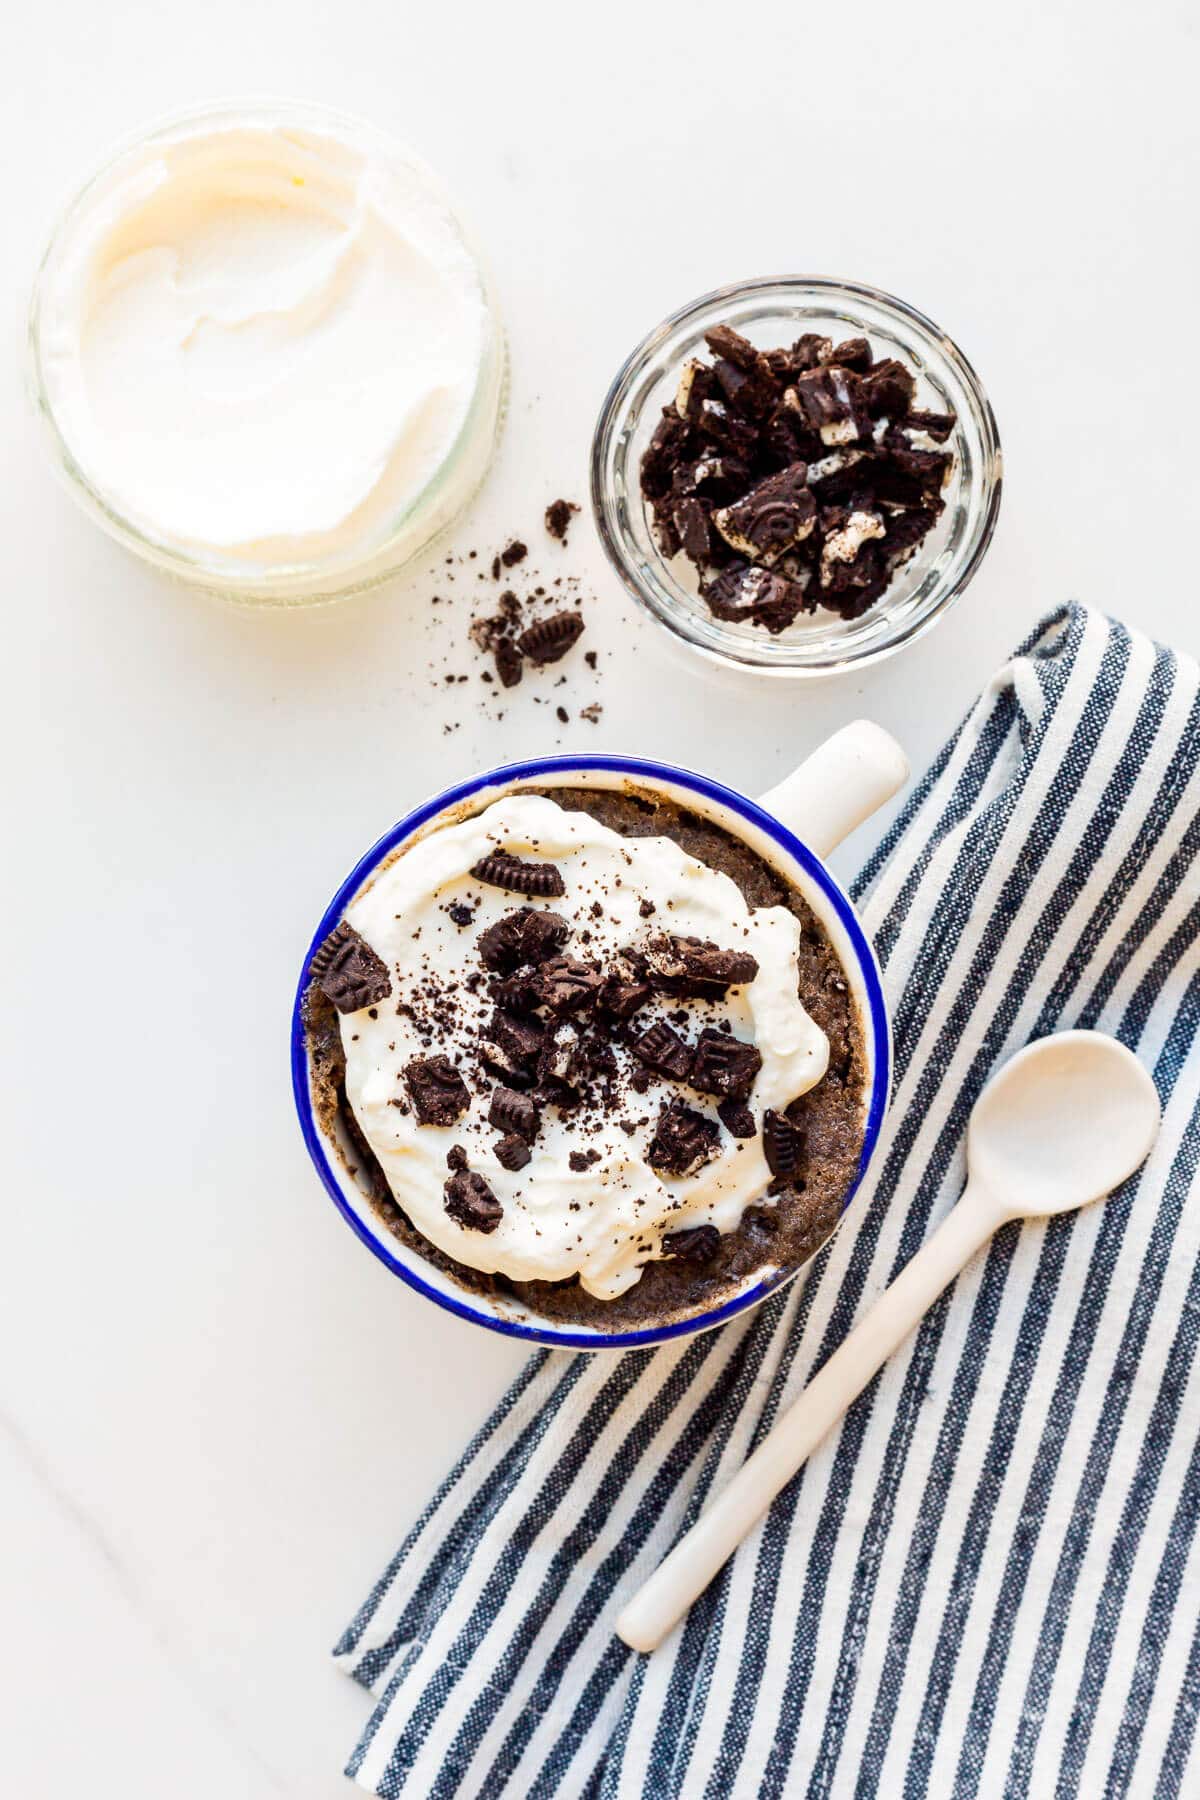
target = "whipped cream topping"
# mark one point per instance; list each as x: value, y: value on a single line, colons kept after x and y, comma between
x: 606, y: 1221
x: 261, y: 341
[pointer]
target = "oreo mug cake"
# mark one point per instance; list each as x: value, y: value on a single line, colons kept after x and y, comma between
x: 590, y: 1057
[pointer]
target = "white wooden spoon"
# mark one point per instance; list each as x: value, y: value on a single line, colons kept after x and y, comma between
x: 1062, y: 1124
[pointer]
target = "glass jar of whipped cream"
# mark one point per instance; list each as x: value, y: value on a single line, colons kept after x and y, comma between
x: 267, y: 357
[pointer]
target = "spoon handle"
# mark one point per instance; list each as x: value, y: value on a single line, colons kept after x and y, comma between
x: 684, y: 1574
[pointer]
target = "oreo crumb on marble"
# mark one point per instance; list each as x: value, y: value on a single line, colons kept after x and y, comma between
x: 510, y: 664
x: 559, y: 514
x: 549, y: 639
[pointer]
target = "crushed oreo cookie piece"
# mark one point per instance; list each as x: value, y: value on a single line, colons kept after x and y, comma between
x: 460, y: 914
x: 830, y: 402
x: 514, y: 553
x: 698, y: 1244
x: 843, y: 543
x: 516, y: 992
x: 512, y: 1152
x: 511, y: 1112
x: 456, y: 1157
x: 772, y: 518
x: 437, y: 1090
x: 746, y: 389
x: 592, y: 1058
x: 729, y: 344
x: 852, y: 353
x: 782, y: 1143
x: 529, y: 935
x: 556, y: 1069
x: 888, y: 389
x: 744, y: 592
x: 663, y: 1050
x: 513, y: 1045
x: 558, y: 518
x: 566, y: 985
x: 724, y: 1065
x: 935, y: 425
x: 763, y: 457
x: 737, y: 1119
x: 483, y: 632
x: 551, y: 638
x: 624, y: 992
x: 811, y: 350
x: 543, y: 880
x: 692, y: 519
x: 663, y: 454
x: 693, y: 966
x: 913, y: 477
x: 696, y: 388
x: 471, y: 1203
x: 683, y: 1140
x: 348, y: 972
x: 510, y: 664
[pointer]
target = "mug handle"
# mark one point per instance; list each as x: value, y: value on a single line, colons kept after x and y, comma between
x: 843, y: 782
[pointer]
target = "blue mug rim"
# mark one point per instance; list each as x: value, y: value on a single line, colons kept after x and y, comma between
x: 655, y: 772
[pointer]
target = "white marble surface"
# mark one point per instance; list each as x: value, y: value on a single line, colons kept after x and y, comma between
x: 219, y: 1413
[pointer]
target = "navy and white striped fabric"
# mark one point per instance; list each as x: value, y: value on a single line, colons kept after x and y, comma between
x: 987, y: 1582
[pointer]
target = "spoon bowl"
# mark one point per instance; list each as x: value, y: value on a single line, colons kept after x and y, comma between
x: 1063, y: 1123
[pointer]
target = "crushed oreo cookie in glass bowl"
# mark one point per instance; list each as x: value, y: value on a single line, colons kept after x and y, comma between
x: 796, y: 475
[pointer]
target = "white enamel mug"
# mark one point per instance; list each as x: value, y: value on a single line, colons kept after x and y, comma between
x: 792, y: 828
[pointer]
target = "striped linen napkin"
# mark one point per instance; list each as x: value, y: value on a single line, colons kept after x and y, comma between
x: 987, y: 1581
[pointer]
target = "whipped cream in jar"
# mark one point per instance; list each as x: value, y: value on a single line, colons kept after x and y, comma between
x: 267, y: 357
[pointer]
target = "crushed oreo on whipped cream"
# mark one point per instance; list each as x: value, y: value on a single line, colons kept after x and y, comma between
x: 795, y: 478
x: 598, y: 1073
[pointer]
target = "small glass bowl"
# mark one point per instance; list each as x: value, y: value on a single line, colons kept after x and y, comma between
x: 242, y: 578
x: 775, y: 312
